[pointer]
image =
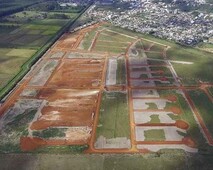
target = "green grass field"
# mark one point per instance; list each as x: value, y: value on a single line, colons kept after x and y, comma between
x: 121, y: 71
x: 22, y: 35
x: 158, y: 48
x: 110, y: 49
x: 11, y: 5
x: 155, y: 62
x: 204, y: 106
x: 154, y: 119
x: 167, y: 160
x: 154, y: 55
x: 201, y: 68
x: 11, y: 61
x: 113, y: 116
x: 154, y: 135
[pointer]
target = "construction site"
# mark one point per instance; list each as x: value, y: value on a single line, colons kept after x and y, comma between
x: 104, y: 89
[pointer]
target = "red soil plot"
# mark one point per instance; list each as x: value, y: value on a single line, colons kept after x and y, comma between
x: 182, y: 124
x: 66, y: 108
x: 67, y: 41
x: 78, y: 73
x: 30, y: 144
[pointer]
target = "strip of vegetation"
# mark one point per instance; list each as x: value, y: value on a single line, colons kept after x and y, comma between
x: 62, y: 149
x: 154, y: 135
x: 113, y: 117
x: 205, y: 107
x: 50, y: 133
x: 121, y: 72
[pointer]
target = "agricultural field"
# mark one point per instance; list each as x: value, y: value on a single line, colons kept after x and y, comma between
x: 7, y: 7
x: 11, y: 61
x: 24, y: 34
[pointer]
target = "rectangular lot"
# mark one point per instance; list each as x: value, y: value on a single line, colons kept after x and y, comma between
x: 78, y: 73
x: 113, y: 116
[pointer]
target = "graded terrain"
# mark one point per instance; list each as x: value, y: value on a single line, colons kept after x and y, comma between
x: 102, y: 89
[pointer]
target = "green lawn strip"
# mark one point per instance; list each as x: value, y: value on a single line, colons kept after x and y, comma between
x: 157, y: 48
x: 51, y: 133
x: 121, y: 72
x: 155, y: 62
x: 154, y: 55
x: 113, y: 116
x: 88, y: 39
x: 122, y: 31
x: 62, y: 149
x: 154, y: 135
x: 204, y: 106
x: 109, y: 49
x: 112, y: 43
x: 27, y: 65
x: 154, y: 119
x: 118, y: 36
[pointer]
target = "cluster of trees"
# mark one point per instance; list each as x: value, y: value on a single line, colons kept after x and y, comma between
x: 7, y: 8
x: 54, y: 6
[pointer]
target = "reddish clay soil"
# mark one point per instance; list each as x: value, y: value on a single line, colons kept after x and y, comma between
x: 66, y: 108
x: 182, y: 124
x: 57, y: 121
x: 78, y: 73
x: 189, y: 142
x: 30, y: 144
x: 78, y: 110
x: 175, y: 110
x: 67, y: 41
x: 144, y: 150
x: 172, y: 98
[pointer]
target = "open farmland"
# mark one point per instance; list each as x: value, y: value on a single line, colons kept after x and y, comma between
x: 11, y: 61
x: 24, y: 37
